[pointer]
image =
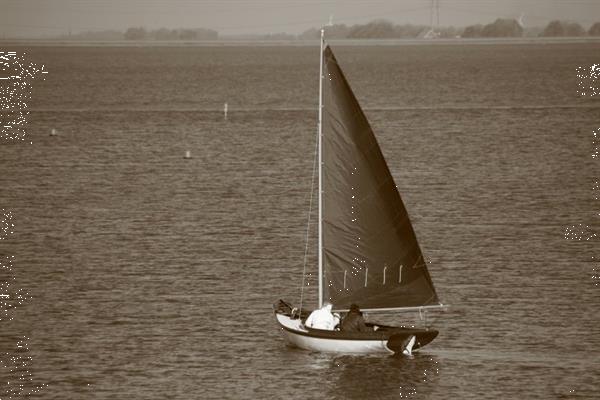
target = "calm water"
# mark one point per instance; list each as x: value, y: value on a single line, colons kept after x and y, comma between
x: 152, y: 277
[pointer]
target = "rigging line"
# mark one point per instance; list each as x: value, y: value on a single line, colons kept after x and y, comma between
x: 312, y: 189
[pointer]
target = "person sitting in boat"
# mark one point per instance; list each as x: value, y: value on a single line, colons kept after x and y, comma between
x: 353, y: 321
x: 322, y: 318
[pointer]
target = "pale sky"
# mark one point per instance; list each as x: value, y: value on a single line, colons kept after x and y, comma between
x: 37, y: 18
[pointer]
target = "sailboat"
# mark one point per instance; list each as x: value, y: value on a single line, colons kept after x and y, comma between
x: 368, y: 253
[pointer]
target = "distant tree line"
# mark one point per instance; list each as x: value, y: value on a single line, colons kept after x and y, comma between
x: 500, y: 28
x: 107, y: 35
x: 377, y: 29
x: 140, y: 33
x: 562, y: 28
x: 511, y: 28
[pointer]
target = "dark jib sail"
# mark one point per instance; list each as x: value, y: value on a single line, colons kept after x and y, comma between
x: 370, y: 253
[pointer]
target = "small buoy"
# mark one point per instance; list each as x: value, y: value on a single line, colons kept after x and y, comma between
x: 53, y: 132
x: 225, y: 107
x: 188, y: 155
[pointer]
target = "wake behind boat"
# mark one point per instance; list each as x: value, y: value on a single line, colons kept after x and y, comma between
x: 368, y: 252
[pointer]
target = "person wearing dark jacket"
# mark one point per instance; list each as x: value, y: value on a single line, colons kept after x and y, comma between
x: 353, y: 321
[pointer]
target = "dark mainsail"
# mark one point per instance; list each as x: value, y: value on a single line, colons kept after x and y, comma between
x: 370, y: 253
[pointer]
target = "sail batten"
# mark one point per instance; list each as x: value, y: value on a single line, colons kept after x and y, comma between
x: 370, y: 254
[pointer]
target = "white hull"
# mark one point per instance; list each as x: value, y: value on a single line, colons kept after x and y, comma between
x: 298, y: 336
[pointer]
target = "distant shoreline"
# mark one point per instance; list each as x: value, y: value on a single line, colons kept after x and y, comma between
x: 315, y: 42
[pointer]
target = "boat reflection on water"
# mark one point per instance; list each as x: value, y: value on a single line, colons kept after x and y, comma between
x: 381, y: 377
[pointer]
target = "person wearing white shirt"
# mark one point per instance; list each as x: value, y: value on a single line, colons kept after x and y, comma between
x: 322, y: 318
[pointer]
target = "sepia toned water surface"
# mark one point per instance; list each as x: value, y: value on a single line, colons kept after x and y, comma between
x: 152, y: 276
